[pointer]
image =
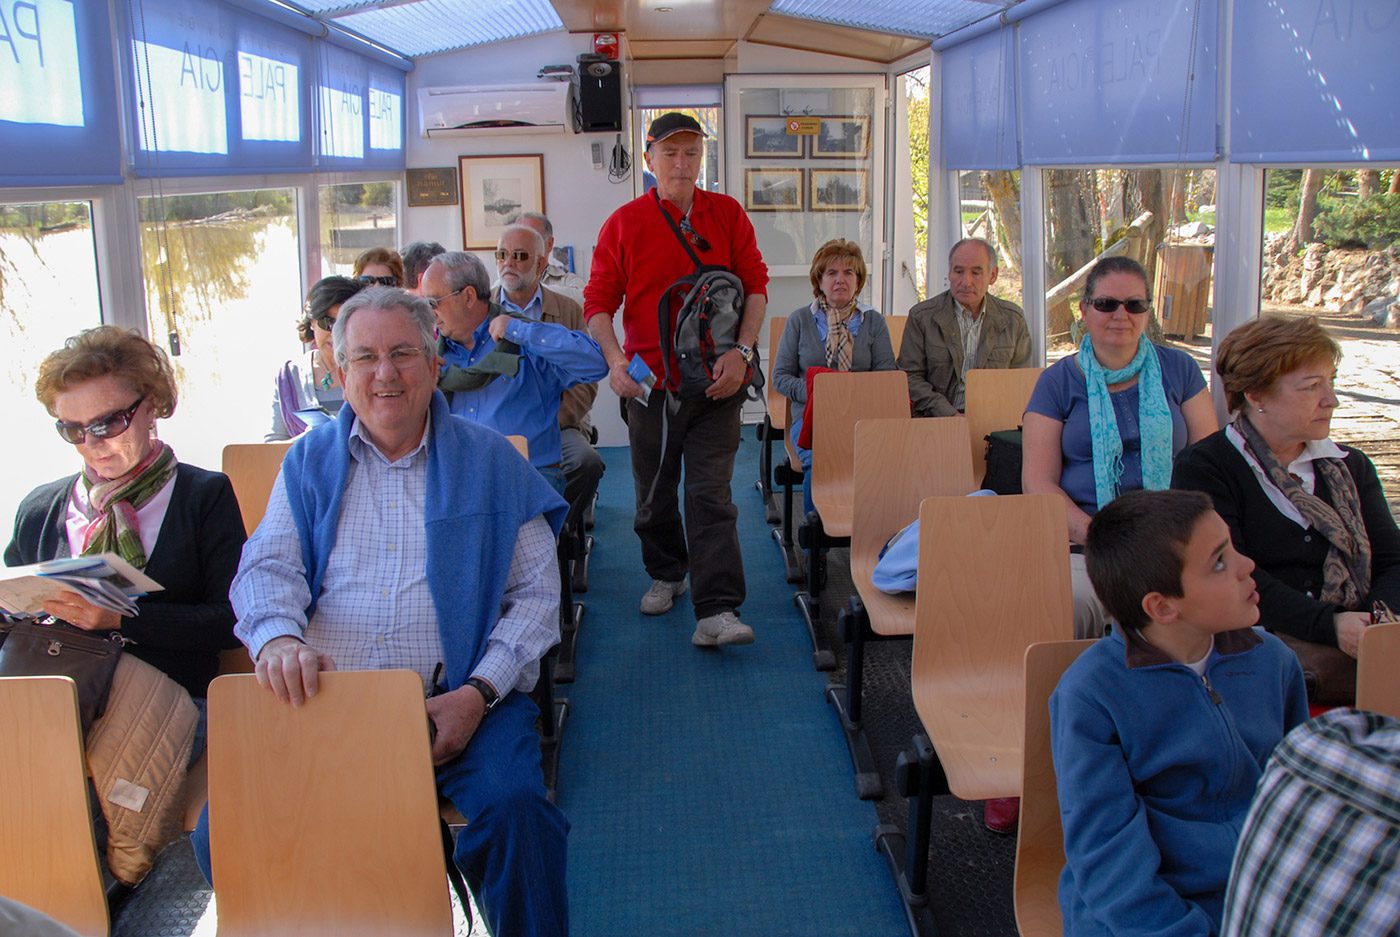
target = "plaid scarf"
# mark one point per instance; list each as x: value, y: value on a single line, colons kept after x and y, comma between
x: 114, y: 528
x: 839, y: 348
x: 1346, y: 573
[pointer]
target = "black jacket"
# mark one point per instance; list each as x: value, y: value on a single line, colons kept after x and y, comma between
x: 181, y: 629
x: 1289, y: 559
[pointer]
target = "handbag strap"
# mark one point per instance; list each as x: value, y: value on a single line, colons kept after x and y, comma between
x: 676, y: 229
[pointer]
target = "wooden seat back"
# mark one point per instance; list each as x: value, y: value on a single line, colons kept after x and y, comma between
x: 252, y: 468
x: 323, y: 818
x: 1377, y: 663
x: 996, y: 399
x: 1040, y: 844
x: 48, y: 858
x: 993, y: 579
x: 840, y: 400
x: 896, y: 326
x: 521, y: 444
x: 777, y: 403
x: 899, y: 463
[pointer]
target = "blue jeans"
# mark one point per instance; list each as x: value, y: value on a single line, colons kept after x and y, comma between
x: 805, y: 456
x: 512, y: 851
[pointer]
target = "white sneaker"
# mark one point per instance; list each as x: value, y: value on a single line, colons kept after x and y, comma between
x: 724, y: 628
x: 661, y: 596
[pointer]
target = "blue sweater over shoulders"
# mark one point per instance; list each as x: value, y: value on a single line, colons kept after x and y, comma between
x: 1156, y: 768
x: 477, y: 500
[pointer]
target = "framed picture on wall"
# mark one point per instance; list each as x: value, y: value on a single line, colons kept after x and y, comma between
x: 838, y: 189
x: 842, y: 138
x: 766, y: 137
x: 493, y: 189
x: 773, y: 189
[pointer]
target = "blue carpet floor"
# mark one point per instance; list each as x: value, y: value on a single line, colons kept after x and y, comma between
x: 709, y: 790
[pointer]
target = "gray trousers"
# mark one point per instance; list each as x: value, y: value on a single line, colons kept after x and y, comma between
x: 701, y: 436
x: 582, y: 465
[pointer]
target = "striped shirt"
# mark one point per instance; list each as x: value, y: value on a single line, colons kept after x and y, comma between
x: 375, y: 611
x: 1320, y: 850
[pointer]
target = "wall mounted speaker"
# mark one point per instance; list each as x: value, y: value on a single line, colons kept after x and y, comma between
x: 599, y: 95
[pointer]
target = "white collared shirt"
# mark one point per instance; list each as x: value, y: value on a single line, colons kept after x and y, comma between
x: 1300, y: 468
x: 971, y: 328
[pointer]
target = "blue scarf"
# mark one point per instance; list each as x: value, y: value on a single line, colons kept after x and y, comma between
x: 1154, y: 420
x: 479, y: 494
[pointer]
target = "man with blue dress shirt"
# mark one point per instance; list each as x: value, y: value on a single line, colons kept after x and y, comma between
x: 521, y: 261
x: 375, y: 555
x: 505, y: 371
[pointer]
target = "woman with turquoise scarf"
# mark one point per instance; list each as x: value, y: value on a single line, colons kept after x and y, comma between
x: 1110, y: 418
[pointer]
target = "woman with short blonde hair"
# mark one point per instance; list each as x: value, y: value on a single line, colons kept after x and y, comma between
x: 1310, y: 513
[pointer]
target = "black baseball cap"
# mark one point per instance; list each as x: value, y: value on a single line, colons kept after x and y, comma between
x: 670, y: 123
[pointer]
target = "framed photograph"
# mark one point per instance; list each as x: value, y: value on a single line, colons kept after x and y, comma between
x: 766, y: 137
x: 773, y: 189
x: 842, y: 138
x: 493, y: 189
x: 838, y: 189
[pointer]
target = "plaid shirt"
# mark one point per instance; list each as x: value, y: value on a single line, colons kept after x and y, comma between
x: 1320, y: 851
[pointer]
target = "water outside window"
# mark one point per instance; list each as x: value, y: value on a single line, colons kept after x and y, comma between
x: 48, y: 291
x: 355, y: 217
x: 223, y: 295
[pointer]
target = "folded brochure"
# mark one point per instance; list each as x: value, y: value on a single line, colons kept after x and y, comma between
x: 105, y: 579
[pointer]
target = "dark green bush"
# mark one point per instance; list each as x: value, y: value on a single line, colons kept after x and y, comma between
x: 1372, y: 223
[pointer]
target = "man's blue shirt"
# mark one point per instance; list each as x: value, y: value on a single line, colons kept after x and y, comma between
x: 552, y: 359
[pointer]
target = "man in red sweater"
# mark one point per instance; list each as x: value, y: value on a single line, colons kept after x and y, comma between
x: 638, y: 256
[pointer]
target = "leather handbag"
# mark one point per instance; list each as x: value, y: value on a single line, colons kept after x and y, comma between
x: 61, y: 650
x: 1328, y: 673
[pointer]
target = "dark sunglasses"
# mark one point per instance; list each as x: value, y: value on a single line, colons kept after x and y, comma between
x: 1107, y: 304
x: 516, y: 255
x: 325, y: 322
x: 104, y: 427
x: 377, y: 281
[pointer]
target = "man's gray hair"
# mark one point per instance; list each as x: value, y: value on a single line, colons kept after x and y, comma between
x: 415, y: 309
x: 463, y: 270
x: 536, y: 238
x: 986, y: 246
x: 416, y: 257
x: 522, y: 216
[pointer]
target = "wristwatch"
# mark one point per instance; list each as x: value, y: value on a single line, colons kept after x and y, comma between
x: 749, y: 355
x: 487, y: 693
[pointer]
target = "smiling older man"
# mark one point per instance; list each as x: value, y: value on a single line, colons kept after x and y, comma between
x: 374, y: 554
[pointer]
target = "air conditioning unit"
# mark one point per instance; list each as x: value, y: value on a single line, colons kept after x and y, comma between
x: 545, y: 107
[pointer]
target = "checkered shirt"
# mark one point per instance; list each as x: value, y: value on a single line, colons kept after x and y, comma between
x: 1320, y: 851
x: 375, y: 611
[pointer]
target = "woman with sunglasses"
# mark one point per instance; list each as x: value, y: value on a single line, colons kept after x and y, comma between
x: 1110, y: 418
x: 180, y: 524
x: 1311, y: 514
x: 379, y: 266
x: 308, y: 391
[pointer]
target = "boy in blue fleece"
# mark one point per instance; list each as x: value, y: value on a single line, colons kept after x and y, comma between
x: 1160, y: 730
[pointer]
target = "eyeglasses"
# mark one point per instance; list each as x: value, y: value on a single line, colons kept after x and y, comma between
x: 104, y: 427
x: 1107, y: 304
x: 367, y: 362
x: 325, y: 322
x: 377, y: 281
x: 690, y: 232
x: 517, y: 255
x: 434, y: 300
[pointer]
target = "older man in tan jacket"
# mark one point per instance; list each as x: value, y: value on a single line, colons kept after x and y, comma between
x: 960, y: 329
